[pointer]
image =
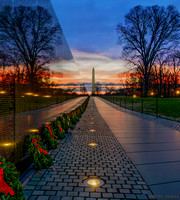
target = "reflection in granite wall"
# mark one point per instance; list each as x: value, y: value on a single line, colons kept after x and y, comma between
x: 35, y: 64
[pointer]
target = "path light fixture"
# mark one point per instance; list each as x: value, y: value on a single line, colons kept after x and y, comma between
x: 134, y: 96
x: 7, y: 144
x: 93, y: 144
x: 47, y: 96
x: 177, y: 92
x: 92, y: 130
x: 29, y: 94
x: 152, y: 93
x: 2, y: 92
x: 33, y: 130
x: 93, y: 181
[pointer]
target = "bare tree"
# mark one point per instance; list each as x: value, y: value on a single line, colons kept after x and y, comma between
x: 174, y: 63
x: 28, y: 33
x: 98, y: 88
x: 147, y: 32
x: 83, y: 88
x: 71, y: 89
x: 159, y: 70
x: 133, y: 82
x: 110, y: 88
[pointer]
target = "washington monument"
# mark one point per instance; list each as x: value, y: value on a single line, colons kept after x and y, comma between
x: 93, y: 81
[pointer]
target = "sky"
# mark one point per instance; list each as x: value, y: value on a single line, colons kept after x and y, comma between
x: 90, y: 30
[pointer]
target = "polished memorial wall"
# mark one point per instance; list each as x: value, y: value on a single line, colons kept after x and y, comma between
x: 37, y: 70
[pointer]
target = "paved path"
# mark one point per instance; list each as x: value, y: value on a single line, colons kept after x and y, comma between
x: 30, y: 120
x: 162, y: 121
x: 75, y: 160
x: 154, y: 149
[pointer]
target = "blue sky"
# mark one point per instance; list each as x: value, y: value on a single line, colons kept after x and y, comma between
x: 90, y: 29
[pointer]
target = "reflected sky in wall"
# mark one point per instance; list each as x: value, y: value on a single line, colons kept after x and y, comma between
x: 90, y: 29
x: 62, y: 67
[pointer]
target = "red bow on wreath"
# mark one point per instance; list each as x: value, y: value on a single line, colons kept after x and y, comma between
x: 50, y: 131
x: 60, y: 127
x: 4, y: 187
x: 40, y: 149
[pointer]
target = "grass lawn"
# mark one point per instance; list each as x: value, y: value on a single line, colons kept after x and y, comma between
x: 167, y: 107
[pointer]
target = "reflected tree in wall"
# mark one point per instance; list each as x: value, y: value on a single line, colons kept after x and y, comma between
x: 28, y: 37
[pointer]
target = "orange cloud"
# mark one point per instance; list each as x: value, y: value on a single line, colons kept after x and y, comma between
x: 106, y: 68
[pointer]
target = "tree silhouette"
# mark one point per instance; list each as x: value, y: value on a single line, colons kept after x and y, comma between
x: 98, y: 88
x: 110, y: 88
x: 174, y: 62
x: 83, y: 88
x: 28, y: 36
x: 147, y: 32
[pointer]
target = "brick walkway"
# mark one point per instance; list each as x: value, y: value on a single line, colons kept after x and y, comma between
x: 75, y: 160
